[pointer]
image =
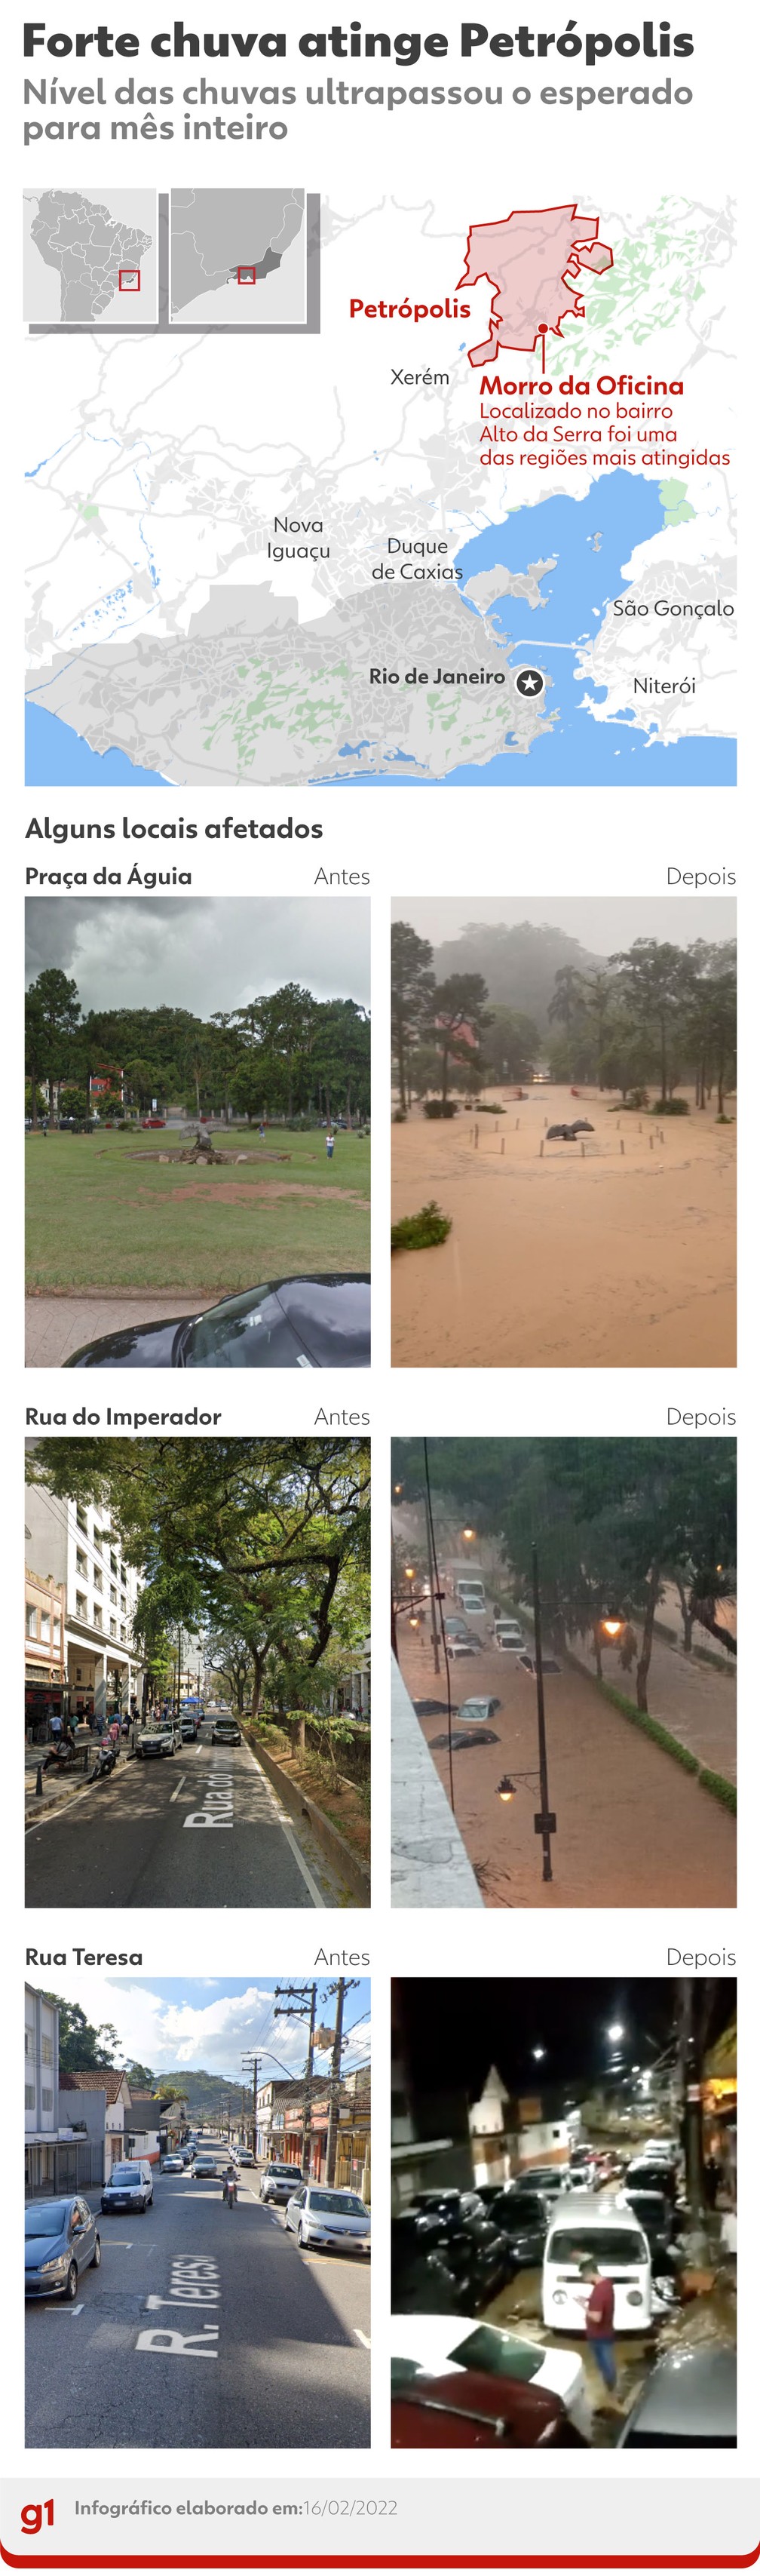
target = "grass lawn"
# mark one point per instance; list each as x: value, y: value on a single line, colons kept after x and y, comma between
x: 97, y: 1216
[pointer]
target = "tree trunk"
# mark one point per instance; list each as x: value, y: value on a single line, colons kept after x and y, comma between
x: 197, y: 1096
x: 687, y: 1616
x: 642, y: 1668
x: 597, y: 1655
x: 445, y: 1072
x: 258, y: 1670
x: 663, y: 1062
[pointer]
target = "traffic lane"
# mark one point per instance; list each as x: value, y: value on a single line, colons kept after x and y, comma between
x: 199, y: 1828
x: 202, y: 2328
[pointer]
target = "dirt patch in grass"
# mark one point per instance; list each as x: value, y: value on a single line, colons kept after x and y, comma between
x: 237, y: 1193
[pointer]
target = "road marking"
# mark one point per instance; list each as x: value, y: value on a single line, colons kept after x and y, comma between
x: 62, y: 2307
x: 126, y: 2241
x: 180, y: 1785
x: 362, y: 2338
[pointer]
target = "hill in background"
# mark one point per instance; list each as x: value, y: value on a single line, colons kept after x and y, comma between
x: 518, y: 962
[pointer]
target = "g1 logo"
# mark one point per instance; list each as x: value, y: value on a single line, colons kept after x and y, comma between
x: 33, y: 2516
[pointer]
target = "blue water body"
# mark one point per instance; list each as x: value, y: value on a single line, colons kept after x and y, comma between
x: 591, y: 539
x: 56, y: 756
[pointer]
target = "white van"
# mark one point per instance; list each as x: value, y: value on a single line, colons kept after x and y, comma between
x: 584, y: 2229
x: 471, y: 1593
x: 507, y: 1633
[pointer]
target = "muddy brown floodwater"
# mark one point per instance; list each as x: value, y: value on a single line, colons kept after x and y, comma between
x: 633, y: 1829
x: 607, y: 1260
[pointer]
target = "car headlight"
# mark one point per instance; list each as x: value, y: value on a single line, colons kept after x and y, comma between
x: 559, y: 2298
x: 635, y: 2299
x: 56, y: 2263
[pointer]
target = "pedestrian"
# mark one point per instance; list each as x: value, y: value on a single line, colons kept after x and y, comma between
x: 600, y: 2317
x: 56, y: 1729
x: 711, y: 2180
x: 262, y: 1131
x: 44, y: 1126
x: 330, y: 1143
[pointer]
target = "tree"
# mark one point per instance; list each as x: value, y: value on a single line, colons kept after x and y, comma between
x: 653, y: 980
x: 53, y: 1012
x: 73, y: 1103
x: 287, y: 1022
x: 239, y: 1661
x: 566, y: 995
x: 412, y: 982
x: 141, y: 2078
x: 459, y: 1017
x: 225, y: 1055
x: 80, y: 2046
x: 512, y: 1046
x: 266, y: 1539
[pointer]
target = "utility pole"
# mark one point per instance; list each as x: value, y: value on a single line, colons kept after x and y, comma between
x: 298, y: 2001
x: 691, y: 2095
x: 340, y: 1990
x: 251, y: 2065
x: 434, y: 1606
x: 545, y: 1823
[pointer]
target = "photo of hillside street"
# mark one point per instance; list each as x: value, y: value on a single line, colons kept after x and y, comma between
x: 197, y: 2188
x: 197, y: 1684
x: 564, y: 1684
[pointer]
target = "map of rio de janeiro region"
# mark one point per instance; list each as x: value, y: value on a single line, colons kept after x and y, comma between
x: 460, y: 512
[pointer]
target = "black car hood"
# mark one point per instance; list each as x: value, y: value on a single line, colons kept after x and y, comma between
x: 137, y: 1346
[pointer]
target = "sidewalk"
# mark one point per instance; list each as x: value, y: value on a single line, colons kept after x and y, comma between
x: 58, y: 1791
x: 696, y: 1703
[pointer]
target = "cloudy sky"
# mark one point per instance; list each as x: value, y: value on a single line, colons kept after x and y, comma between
x: 601, y: 924
x: 200, y: 955
x: 174, y: 2022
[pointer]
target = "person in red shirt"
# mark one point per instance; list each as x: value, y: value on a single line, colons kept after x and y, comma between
x: 600, y: 2315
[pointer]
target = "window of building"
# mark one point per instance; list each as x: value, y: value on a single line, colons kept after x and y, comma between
x: 29, y: 2097
x: 123, y: 1634
x: 28, y: 2041
x: 81, y: 1608
x: 113, y: 1594
x: 97, y: 1580
x: 81, y: 1561
x: 112, y: 1627
x: 46, y: 2049
x: 97, y: 1617
x: 45, y: 1625
x: 31, y: 1619
x: 47, y: 2098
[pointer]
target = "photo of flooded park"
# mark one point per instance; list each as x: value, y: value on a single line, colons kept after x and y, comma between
x: 564, y: 1685
x: 563, y: 1133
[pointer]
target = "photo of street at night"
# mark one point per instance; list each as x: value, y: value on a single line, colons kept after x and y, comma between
x: 564, y: 1628
x: 563, y: 2189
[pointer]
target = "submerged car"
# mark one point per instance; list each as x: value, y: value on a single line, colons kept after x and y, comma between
x: 319, y: 2216
x: 320, y: 1320
x: 61, y: 2238
x: 477, y: 1712
x: 225, y: 1730
x: 474, y: 2413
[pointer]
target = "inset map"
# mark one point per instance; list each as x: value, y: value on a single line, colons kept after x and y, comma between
x: 90, y: 258
x: 238, y: 255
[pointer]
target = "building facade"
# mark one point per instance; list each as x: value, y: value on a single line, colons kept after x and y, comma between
x: 73, y: 1552
x: 44, y: 1644
x: 63, y: 2150
x: 112, y: 2081
x: 280, y: 2129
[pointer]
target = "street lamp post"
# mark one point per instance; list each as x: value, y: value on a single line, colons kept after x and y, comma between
x: 545, y: 1822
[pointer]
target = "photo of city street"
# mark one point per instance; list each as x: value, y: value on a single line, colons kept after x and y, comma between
x: 197, y: 2186
x: 197, y: 1133
x: 564, y: 1680
x: 563, y: 2187
x: 563, y: 1122
x: 197, y: 1685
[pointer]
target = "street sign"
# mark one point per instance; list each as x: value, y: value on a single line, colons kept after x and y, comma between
x: 545, y: 1824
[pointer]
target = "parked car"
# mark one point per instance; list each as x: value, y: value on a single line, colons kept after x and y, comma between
x: 463, y: 2253
x: 444, y: 2347
x: 129, y: 2186
x: 474, y: 2413
x: 154, y: 1741
x: 61, y: 2239
x: 246, y: 2157
x: 522, y: 2217
x: 651, y: 2173
x: 583, y: 2170
x: 173, y: 2164
x: 667, y: 2147
x: 468, y: 1644
x: 321, y: 2216
x: 548, y: 2179
x: 205, y: 2167
x: 279, y: 2181
x: 188, y: 1727
x: 688, y: 2403
x: 527, y: 1663
x: 225, y: 1730
x: 422, y: 2276
x: 655, y: 2214
x: 477, y: 1712
x: 320, y: 1320
x: 456, y: 1626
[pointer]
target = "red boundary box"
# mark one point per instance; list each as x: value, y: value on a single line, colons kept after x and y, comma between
x: 130, y: 272
x: 11, y: 2558
x: 246, y: 274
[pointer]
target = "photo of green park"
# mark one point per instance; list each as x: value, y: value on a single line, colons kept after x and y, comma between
x: 197, y: 1131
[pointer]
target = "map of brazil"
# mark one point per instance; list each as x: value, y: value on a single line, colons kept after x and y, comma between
x: 478, y: 530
